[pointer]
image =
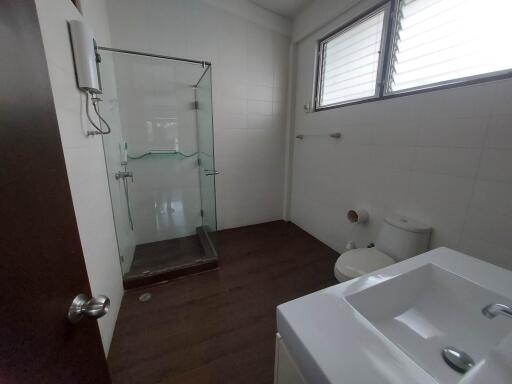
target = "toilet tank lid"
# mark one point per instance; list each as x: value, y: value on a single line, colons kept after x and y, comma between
x: 407, y: 224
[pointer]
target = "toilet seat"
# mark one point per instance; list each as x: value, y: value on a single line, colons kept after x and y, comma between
x: 358, y: 262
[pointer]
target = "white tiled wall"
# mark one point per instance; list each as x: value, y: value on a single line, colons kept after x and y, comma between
x: 248, y: 48
x: 442, y: 157
x: 85, y: 162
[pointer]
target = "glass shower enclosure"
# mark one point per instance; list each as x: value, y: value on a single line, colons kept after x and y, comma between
x: 160, y: 163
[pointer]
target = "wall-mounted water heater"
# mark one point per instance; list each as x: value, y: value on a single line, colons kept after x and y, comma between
x: 86, y: 67
x: 84, y: 52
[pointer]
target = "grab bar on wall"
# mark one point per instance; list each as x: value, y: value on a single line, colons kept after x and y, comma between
x: 335, y: 135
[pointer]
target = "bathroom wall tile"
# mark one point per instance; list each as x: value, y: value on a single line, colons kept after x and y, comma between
x: 200, y: 45
x: 228, y: 122
x: 398, y: 158
x: 135, y: 34
x: 281, y: 51
x: 279, y: 95
x: 451, y: 161
x: 260, y: 76
x: 388, y: 190
x: 495, y: 165
x: 459, y: 132
x: 499, y: 134
x: 259, y: 121
x: 396, y: 110
x: 354, y: 133
x: 494, y: 229
x: 259, y: 48
x: 486, y: 251
x: 468, y: 101
x: 231, y: 105
x: 237, y: 89
x: 260, y: 92
x: 404, y: 134
x: 503, y: 98
x: 256, y: 107
x: 442, y: 197
x: 232, y: 69
x: 493, y: 197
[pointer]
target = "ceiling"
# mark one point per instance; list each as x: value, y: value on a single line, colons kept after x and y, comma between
x: 286, y: 8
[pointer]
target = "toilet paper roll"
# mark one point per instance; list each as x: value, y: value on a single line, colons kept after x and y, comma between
x: 359, y: 216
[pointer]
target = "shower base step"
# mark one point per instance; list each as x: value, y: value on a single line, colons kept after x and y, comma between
x: 163, y: 276
x: 162, y: 261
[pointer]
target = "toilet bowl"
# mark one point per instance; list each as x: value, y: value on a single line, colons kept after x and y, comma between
x: 399, y: 238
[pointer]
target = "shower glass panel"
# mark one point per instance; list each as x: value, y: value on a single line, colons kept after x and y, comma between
x: 205, y: 152
x: 160, y: 163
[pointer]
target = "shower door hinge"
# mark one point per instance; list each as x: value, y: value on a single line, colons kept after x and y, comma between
x: 122, y: 259
x: 201, y: 213
x: 195, y: 105
x: 199, y: 162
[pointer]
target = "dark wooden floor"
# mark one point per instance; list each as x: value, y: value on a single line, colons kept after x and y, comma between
x: 219, y: 326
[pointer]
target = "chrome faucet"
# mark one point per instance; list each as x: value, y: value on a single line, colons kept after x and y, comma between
x: 123, y: 175
x: 492, y: 310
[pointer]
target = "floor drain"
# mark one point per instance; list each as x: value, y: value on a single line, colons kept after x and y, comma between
x: 145, y: 297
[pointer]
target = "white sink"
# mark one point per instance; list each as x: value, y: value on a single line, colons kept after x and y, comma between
x: 428, y: 308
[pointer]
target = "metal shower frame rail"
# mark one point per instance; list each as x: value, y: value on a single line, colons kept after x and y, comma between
x: 199, y: 62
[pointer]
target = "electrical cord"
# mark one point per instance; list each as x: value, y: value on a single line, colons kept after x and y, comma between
x: 95, y: 105
x: 98, y: 131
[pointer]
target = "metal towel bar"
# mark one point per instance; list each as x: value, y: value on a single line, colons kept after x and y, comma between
x: 335, y: 135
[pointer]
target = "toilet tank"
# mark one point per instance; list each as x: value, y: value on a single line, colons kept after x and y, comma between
x: 401, y: 237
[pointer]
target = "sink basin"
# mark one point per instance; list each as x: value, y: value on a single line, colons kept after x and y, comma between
x: 428, y: 308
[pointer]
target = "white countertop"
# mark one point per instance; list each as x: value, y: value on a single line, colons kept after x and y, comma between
x: 334, y: 344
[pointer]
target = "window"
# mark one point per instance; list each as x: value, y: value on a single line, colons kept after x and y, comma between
x: 350, y: 61
x: 438, y: 41
x: 77, y: 4
x: 430, y: 44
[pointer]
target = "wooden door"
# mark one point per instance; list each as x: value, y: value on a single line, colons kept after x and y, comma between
x: 41, y: 262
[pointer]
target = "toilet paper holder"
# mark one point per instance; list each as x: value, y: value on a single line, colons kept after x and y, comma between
x: 359, y: 216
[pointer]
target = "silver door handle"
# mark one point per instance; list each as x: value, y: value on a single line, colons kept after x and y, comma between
x: 210, y: 172
x: 93, y: 308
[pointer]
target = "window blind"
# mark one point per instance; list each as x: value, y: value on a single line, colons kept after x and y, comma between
x: 438, y: 41
x: 350, y: 61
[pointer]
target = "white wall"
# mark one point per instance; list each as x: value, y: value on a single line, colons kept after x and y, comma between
x: 85, y: 162
x: 318, y: 14
x: 442, y: 157
x: 248, y: 48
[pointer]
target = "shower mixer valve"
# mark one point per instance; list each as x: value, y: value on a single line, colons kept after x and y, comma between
x: 124, y: 175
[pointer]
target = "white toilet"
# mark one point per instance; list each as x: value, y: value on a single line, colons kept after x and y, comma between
x: 399, y: 238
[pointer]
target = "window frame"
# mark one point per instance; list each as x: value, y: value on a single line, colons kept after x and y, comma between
x: 386, y: 7
x: 391, y: 8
